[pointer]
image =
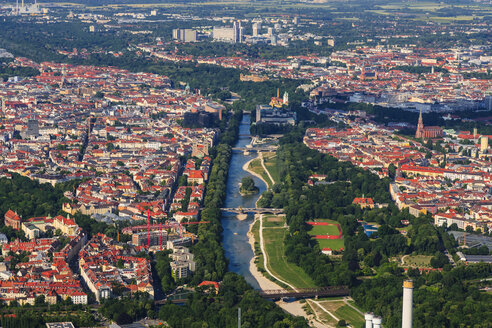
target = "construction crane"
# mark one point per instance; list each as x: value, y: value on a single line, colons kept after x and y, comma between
x: 148, y: 229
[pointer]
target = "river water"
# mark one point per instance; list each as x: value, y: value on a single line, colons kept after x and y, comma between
x: 235, y: 240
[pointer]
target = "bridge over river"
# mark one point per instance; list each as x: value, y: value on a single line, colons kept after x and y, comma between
x: 243, y: 210
x: 331, y: 291
x: 306, y: 292
x: 256, y: 149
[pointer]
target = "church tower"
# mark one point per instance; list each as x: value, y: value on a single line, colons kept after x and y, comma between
x: 286, y: 98
x: 420, y: 127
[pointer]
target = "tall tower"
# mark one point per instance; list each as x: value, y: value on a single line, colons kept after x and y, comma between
x: 406, y: 321
x: 256, y: 29
x: 368, y: 317
x: 376, y: 322
x: 148, y: 229
x: 62, y: 82
x: 420, y: 127
x: 238, y: 31
x: 286, y: 98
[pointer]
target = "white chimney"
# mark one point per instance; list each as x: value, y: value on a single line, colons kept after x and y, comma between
x: 369, y: 316
x: 376, y: 321
x: 406, y: 321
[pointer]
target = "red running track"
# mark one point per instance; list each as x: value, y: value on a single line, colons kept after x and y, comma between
x: 339, y: 236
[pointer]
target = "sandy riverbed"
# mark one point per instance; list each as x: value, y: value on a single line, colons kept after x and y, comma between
x: 263, y: 281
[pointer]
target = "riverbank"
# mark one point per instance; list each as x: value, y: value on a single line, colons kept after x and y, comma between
x: 263, y: 281
x: 247, y: 169
x: 295, y: 308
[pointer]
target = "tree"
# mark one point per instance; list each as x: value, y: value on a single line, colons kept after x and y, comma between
x: 392, y: 170
x: 110, y: 146
x: 120, y: 264
x: 248, y: 186
x: 342, y: 323
x: 439, y: 260
x: 39, y: 300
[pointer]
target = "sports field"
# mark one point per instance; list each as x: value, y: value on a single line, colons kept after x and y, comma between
x: 327, y: 233
x: 331, y: 230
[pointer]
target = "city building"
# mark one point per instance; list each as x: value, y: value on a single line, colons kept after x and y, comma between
x: 99, y: 264
x: 12, y: 219
x: 59, y: 325
x: 427, y: 132
x: 26, y: 9
x: 256, y: 29
x: 182, y: 265
x: 66, y: 225
x: 185, y: 35
x: 232, y: 34
x: 268, y: 114
x: 154, y: 237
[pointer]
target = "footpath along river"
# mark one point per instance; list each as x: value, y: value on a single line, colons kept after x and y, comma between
x: 235, y: 235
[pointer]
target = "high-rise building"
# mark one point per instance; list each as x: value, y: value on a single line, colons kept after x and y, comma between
x: 256, y: 29
x: 225, y: 34
x: 26, y: 9
x: 184, y: 35
x: 234, y: 34
x: 238, y: 32
x: 32, y: 128
x: 273, y: 40
x: 484, y: 143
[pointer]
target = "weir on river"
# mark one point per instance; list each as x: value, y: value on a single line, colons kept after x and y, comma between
x: 235, y: 236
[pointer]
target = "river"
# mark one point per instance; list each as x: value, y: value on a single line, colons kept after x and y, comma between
x: 235, y: 240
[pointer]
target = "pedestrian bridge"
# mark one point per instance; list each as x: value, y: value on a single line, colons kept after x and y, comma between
x: 243, y: 210
x: 306, y: 292
x: 257, y: 149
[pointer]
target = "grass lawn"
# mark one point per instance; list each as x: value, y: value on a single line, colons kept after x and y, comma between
x: 417, y: 261
x: 272, y: 165
x: 324, y: 230
x: 270, y: 221
x: 350, y: 315
x: 277, y: 262
x: 322, y: 315
x: 334, y: 244
x: 342, y: 311
x: 257, y: 249
x: 256, y: 167
x: 326, y: 221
